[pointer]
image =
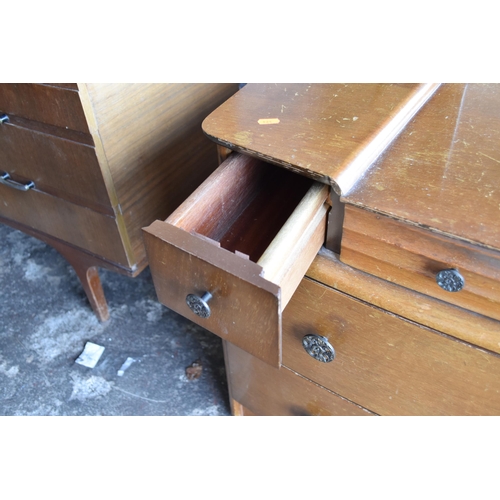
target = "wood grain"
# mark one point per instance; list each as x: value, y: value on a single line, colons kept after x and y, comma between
x: 151, y: 147
x: 79, y: 226
x: 259, y: 389
x: 106, y: 159
x: 330, y: 132
x: 443, y: 171
x: 245, y: 308
x: 262, y: 211
x: 436, y: 314
x: 289, y: 255
x: 411, y: 256
x: 55, y: 106
x: 44, y: 128
x: 246, y: 210
x: 294, y: 229
x: 59, y: 167
x: 242, y: 205
x: 386, y: 364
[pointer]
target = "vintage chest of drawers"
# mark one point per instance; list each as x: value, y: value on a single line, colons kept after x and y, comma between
x: 85, y: 166
x: 348, y: 250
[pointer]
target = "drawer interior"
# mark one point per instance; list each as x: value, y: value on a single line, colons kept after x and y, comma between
x: 245, y: 206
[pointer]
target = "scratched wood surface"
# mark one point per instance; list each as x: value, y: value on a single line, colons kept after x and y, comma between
x: 411, y: 256
x: 330, y: 132
x: 443, y: 171
x: 428, y: 311
x: 385, y: 364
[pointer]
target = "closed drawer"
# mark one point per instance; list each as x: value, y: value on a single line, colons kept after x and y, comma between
x: 384, y: 363
x: 419, y: 259
x: 56, y: 106
x: 246, y: 236
x: 268, y: 391
x: 74, y: 224
x: 63, y: 168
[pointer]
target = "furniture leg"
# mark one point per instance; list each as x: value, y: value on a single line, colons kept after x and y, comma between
x: 88, y: 274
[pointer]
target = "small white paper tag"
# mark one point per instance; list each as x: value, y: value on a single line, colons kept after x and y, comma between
x: 90, y: 355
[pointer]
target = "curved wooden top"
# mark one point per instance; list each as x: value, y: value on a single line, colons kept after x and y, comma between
x: 330, y: 132
x: 443, y: 171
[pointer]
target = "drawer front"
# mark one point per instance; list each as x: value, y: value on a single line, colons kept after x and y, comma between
x: 219, y: 241
x: 417, y: 259
x: 56, y: 106
x: 79, y: 226
x: 268, y: 391
x: 384, y: 363
x: 57, y: 166
x: 244, y: 307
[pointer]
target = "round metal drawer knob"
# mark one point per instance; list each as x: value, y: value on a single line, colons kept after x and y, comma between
x: 199, y: 304
x: 450, y: 280
x: 319, y: 348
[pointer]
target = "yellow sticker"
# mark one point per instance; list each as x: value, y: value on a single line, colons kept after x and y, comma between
x: 268, y: 121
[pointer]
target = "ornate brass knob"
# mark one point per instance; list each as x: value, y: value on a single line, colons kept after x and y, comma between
x: 199, y: 304
x: 319, y: 348
x: 450, y: 280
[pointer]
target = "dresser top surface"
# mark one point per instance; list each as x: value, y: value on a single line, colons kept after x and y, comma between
x: 325, y: 131
x: 443, y: 170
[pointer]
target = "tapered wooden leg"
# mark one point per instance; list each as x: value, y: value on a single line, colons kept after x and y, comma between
x: 85, y: 265
x: 86, y: 270
x: 89, y: 278
x: 237, y: 409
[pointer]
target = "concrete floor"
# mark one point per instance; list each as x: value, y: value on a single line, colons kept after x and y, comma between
x: 46, y: 320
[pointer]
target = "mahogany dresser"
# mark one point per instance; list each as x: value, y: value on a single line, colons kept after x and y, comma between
x: 84, y: 166
x: 347, y: 249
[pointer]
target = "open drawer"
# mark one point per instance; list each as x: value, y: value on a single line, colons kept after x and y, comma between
x: 231, y: 256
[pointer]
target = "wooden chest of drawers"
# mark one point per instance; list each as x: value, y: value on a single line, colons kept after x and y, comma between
x: 378, y: 325
x: 85, y: 166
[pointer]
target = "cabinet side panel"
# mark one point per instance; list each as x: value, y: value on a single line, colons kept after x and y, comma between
x: 154, y: 147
